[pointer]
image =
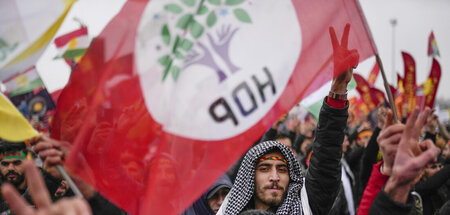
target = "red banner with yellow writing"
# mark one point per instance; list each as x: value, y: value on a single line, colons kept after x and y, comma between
x: 432, y: 83
x: 409, y: 80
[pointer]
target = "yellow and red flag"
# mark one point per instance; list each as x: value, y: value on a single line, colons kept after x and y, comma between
x: 409, y: 80
x: 432, y: 83
x: 373, y: 74
x: 432, y: 46
x: 369, y: 95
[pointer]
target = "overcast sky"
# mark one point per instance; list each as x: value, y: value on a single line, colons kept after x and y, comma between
x: 415, y: 20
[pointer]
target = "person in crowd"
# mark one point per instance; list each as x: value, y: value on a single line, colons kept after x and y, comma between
x: 270, y: 178
x: 429, y: 187
x: 285, y: 140
x: 410, y: 159
x: 52, y: 153
x: 345, y: 200
x: 41, y: 197
x: 210, y: 202
x: 62, y: 189
x: 12, y: 155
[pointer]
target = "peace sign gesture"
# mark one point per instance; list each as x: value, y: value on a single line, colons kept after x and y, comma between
x: 41, y: 197
x: 411, y: 157
x: 343, y: 58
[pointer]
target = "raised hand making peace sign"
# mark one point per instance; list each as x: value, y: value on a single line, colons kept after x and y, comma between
x: 343, y: 58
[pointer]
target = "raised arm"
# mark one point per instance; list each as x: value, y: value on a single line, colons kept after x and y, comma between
x: 324, y: 172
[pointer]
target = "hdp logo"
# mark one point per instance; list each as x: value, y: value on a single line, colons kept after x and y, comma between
x: 182, y: 43
x: 210, y: 69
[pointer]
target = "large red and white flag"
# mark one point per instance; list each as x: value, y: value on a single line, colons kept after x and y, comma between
x: 171, y: 93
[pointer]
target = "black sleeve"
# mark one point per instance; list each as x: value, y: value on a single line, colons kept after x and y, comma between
x: 324, y: 173
x: 383, y: 204
x: 369, y: 158
x: 101, y: 206
x: 434, y: 182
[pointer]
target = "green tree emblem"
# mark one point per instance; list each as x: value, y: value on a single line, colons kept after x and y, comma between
x: 179, y: 44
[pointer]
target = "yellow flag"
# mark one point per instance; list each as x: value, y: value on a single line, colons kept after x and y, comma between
x: 13, y: 126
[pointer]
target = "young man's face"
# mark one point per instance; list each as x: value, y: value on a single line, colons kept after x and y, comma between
x: 12, y: 171
x: 217, y: 199
x: 271, y: 182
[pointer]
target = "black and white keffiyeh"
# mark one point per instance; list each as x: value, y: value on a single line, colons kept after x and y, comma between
x: 244, y: 185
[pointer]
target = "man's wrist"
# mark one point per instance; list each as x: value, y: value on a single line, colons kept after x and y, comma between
x: 339, y: 87
x: 398, y: 193
x: 384, y: 170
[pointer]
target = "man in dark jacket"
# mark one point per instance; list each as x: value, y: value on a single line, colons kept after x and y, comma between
x: 270, y: 178
x: 280, y: 190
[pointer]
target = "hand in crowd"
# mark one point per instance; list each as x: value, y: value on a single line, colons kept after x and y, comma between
x: 382, y: 113
x: 41, y: 197
x: 51, y: 152
x: 388, y: 141
x: 411, y: 157
x: 344, y: 61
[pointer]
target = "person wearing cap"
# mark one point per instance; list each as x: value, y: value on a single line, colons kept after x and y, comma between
x: 12, y: 156
x: 11, y: 165
x: 210, y: 202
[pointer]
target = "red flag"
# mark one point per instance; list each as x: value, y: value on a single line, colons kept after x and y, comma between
x: 363, y: 88
x: 154, y: 119
x: 432, y: 83
x: 400, y: 83
x: 379, y: 95
x: 394, y: 91
x: 432, y: 46
x: 373, y: 74
x: 409, y: 80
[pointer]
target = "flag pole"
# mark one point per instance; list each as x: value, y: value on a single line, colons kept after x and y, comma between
x: 60, y: 169
x: 388, y: 90
x: 380, y: 64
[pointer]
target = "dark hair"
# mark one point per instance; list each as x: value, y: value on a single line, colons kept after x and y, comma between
x: 6, y: 146
x: 282, y: 136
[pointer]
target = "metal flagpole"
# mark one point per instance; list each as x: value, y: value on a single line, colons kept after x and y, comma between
x: 388, y: 90
x: 380, y: 64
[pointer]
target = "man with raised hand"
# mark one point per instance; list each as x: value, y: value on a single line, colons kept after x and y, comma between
x: 410, y: 159
x: 270, y: 178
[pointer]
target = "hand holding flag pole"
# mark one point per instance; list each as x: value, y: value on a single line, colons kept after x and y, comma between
x: 15, y: 128
x: 55, y: 154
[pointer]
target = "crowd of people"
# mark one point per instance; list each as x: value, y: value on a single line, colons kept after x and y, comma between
x: 332, y: 166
